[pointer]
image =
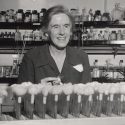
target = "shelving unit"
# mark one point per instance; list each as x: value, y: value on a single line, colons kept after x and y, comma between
x: 10, y: 46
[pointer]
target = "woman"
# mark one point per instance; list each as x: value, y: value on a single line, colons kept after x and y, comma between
x: 56, y: 60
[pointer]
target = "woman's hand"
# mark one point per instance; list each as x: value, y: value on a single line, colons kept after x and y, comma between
x: 51, y: 80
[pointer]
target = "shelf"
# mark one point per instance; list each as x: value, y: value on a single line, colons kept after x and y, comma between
x: 106, y: 50
x: 20, y: 25
x: 102, y: 24
x: 9, y: 80
x: 10, y: 42
x: 30, y: 25
x: 103, y: 42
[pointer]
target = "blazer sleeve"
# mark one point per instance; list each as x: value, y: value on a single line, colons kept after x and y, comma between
x: 86, y: 76
x: 26, y: 71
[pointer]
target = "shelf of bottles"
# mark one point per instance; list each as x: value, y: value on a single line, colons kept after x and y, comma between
x: 9, y: 74
x: 108, y: 72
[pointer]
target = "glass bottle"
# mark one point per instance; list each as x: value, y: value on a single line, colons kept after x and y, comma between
x: 120, y: 63
x: 84, y: 15
x: 36, y: 35
x: 106, y: 34
x: 119, y: 35
x: 113, y: 35
x: 84, y: 33
x: 27, y: 16
x: 17, y: 35
x: 19, y: 15
x: 41, y: 14
x: 10, y: 16
x: 35, y: 16
x: 2, y: 16
x: 119, y: 75
x: 90, y: 15
x: 123, y: 35
x: 117, y: 13
x: 97, y: 15
x: 91, y: 33
x: 96, y: 71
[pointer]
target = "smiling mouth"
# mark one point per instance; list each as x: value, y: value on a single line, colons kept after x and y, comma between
x: 61, y: 38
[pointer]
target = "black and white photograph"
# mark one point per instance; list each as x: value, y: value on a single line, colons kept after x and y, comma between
x: 62, y: 62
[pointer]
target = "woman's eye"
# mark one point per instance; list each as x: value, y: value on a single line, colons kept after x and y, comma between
x: 67, y: 26
x: 55, y: 26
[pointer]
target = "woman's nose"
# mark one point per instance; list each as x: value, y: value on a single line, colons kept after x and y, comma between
x: 61, y: 30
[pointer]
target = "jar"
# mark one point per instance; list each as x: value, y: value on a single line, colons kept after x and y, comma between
x: 84, y: 15
x: 5, y: 35
x: 17, y: 35
x: 100, y: 35
x: 106, y: 17
x: 84, y: 34
x: 1, y: 71
x: 10, y: 15
x: 19, y: 15
x: 2, y: 16
x: 96, y: 72
x: 123, y: 34
x: 2, y: 35
x: 117, y: 13
x: 7, y: 71
x: 120, y: 63
x: 90, y: 15
x: 119, y: 35
x: 97, y: 15
x: 113, y: 35
x: 106, y: 34
x: 36, y: 35
x: 27, y: 17
x: 28, y: 36
x: 35, y: 16
x: 41, y: 14
x: 75, y: 14
x: 91, y: 33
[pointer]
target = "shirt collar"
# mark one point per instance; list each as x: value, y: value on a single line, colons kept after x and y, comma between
x: 72, y: 55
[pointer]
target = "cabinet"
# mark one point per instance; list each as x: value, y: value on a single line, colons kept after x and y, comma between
x: 8, y: 45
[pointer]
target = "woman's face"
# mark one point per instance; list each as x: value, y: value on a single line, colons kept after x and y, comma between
x: 59, y: 30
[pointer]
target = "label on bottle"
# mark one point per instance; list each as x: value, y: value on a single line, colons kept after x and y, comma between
x: 56, y: 98
x: 111, y: 97
x: 34, y: 18
x: 32, y: 99
x: 90, y: 98
x: 44, y: 100
x: 19, y: 17
x: 1, y: 100
x: 100, y: 96
x: 122, y: 98
x: 79, y: 98
x: 68, y: 98
x: 19, y: 99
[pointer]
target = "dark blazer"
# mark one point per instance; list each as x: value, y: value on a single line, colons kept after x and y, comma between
x: 38, y: 64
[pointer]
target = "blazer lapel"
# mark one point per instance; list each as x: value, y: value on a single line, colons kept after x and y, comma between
x: 46, y: 59
x: 71, y: 59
